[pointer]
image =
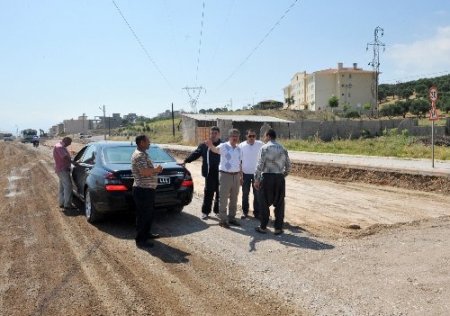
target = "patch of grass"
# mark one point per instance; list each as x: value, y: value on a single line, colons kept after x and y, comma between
x: 160, y: 132
x: 392, y: 145
x: 427, y: 122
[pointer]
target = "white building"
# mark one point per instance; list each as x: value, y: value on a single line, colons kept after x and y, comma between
x: 352, y: 86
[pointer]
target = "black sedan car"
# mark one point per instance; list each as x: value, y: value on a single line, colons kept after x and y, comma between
x: 102, y: 179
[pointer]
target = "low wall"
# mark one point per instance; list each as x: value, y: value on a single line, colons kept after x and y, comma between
x: 328, y: 130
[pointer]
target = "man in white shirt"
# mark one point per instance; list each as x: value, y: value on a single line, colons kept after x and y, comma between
x: 250, y: 151
x: 230, y: 177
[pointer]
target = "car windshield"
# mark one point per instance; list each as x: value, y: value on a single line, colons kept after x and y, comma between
x: 122, y: 155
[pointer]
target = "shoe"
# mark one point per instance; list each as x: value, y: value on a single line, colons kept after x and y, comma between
x: 153, y: 236
x: 204, y: 216
x: 70, y: 208
x: 261, y: 230
x: 61, y: 206
x: 244, y: 216
x: 144, y: 244
x: 233, y: 222
x: 216, y: 214
x: 278, y: 232
x: 224, y: 225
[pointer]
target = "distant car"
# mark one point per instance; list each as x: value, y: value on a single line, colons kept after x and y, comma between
x: 8, y: 137
x: 102, y: 179
x: 82, y: 135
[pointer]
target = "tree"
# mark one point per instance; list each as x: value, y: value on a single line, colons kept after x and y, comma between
x: 421, y: 90
x: 333, y: 102
x: 289, y: 101
x: 382, y: 94
x: 402, y: 107
x: 405, y: 93
x: 202, y: 111
x: 443, y: 104
x: 367, y: 106
x: 419, y: 107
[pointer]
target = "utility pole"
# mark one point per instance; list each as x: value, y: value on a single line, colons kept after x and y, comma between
x: 173, y: 122
x: 103, y: 108
x: 375, y: 63
x: 194, y: 94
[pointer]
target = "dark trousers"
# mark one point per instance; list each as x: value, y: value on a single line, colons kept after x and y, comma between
x: 272, y: 192
x: 248, y: 181
x: 211, y: 188
x: 144, y: 199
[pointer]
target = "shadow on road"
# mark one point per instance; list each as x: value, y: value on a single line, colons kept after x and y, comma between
x: 122, y: 225
x: 167, y: 253
x: 290, y: 238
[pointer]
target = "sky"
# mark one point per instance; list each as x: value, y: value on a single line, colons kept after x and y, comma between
x: 62, y: 58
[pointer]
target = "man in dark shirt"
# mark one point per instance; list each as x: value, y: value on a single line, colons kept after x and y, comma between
x: 210, y: 171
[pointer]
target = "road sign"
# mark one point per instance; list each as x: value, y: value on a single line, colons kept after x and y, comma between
x: 434, y: 114
x: 433, y: 94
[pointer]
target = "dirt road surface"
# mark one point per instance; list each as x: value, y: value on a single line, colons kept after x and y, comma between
x: 55, y: 263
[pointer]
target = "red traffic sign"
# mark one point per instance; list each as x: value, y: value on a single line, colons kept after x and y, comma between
x: 433, y: 94
x: 434, y: 114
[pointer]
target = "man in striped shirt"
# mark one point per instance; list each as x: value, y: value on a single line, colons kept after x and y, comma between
x: 272, y: 167
x: 145, y: 182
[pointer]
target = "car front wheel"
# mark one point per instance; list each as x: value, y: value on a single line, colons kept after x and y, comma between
x: 92, y: 214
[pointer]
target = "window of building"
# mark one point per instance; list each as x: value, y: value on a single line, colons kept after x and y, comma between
x: 349, y: 95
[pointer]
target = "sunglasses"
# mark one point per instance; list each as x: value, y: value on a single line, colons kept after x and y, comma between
x: 251, y: 136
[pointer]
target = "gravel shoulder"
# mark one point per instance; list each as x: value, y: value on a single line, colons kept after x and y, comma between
x: 55, y: 263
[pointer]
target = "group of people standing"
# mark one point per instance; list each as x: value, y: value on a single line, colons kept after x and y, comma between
x: 251, y: 164
x: 226, y: 167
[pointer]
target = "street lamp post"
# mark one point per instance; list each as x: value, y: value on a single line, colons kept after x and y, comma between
x: 103, y: 108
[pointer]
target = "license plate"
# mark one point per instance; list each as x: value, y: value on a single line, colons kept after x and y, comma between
x: 164, y: 180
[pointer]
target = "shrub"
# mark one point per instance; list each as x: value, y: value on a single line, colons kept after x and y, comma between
x: 352, y: 114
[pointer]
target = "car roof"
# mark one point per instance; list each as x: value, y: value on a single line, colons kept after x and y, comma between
x: 110, y: 143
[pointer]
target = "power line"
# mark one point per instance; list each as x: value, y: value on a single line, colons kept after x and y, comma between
x: 260, y: 42
x: 141, y: 45
x: 200, y: 40
x: 225, y: 23
x: 419, y: 76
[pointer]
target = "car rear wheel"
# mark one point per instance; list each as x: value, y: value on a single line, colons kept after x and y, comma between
x: 91, y: 213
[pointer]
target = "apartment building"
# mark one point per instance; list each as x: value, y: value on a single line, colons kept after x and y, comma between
x: 353, y: 86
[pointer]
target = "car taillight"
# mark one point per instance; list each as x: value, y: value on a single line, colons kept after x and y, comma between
x: 112, y: 183
x: 115, y: 187
x: 187, y: 181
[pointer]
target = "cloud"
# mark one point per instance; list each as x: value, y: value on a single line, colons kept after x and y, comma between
x: 423, y: 57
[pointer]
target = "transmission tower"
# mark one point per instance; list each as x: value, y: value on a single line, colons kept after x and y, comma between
x: 375, y: 63
x: 194, y: 94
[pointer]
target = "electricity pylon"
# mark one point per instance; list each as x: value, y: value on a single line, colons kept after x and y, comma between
x: 375, y: 63
x: 194, y: 94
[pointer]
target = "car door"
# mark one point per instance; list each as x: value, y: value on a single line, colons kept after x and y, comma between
x: 82, y: 168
